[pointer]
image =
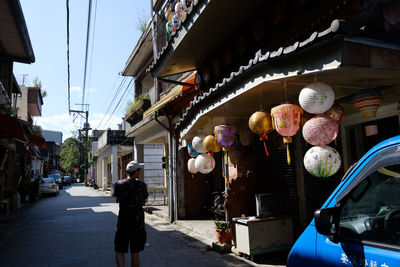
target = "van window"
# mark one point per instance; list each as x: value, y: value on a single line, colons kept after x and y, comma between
x: 371, y: 211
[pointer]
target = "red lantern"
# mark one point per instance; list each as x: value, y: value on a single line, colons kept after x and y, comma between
x: 336, y: 112
x: 286, y: 121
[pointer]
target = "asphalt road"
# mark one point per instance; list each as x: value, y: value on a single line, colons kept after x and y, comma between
x: 76, y: 228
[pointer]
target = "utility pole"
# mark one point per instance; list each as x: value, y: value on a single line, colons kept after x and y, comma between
x: 86, y: 128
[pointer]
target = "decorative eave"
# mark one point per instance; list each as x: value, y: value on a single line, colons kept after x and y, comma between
x: 260, y: 56
x: 318, y: 41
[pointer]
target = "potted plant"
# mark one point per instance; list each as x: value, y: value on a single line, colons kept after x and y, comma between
x: 134, y: 111
x: 223, y: 232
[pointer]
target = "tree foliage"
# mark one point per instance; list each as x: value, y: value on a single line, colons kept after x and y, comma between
x: 70, y: 154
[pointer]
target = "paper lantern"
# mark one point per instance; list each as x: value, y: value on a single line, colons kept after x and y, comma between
x: 322, y: 161
x: 171, y: 30
x: 191, y: 166
x: 179, y: 12
x: 192, y: 152
x: 336, y: 112
x: 197, y: 143
x: 368, y: 102
x: 320, y: 130
x: 286, y: 121
x: 211, y: 145
x: 187, y: 5
x: 316, y: 98
x: 176, y: 22
x: 225, y: 135
x: 204, y: 163
x: 246, y: 137
x: 260, y: 123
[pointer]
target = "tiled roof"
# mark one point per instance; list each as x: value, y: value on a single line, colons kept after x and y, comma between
x: 260, y: 56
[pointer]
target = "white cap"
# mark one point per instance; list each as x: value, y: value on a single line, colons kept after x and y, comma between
x: 133, y: 166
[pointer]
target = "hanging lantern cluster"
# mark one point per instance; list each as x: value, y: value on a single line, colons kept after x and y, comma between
x: 368, y: 102
x: 201, y: 161
x: 176, y: 14
x: 260, y: 123
x: 318, y: 98
x: 286, y: 120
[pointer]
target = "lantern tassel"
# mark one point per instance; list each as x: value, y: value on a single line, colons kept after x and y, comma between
x: 288, y: 154
x: 263, y: 138
x: 266, y: 150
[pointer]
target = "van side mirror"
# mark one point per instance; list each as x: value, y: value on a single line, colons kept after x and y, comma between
x: 327, y: 222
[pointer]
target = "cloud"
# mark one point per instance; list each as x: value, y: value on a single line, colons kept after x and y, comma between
x: 75, y: 89
x: 92, y: 90
x: 69, y: 124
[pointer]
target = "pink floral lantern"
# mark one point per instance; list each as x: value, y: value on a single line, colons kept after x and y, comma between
x: 368, y: 102
x: 286, y: 121
x: 320, y: 130
x: 225, y: 135
x: 336, y: 112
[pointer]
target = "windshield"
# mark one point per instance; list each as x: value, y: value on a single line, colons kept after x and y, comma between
x: 48, y: 180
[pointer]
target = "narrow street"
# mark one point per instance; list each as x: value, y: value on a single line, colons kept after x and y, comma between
x: 76, y: 228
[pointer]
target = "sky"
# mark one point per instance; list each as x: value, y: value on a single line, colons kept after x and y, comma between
x: 114, y: 34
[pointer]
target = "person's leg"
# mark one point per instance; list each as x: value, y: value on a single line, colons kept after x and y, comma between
x: 120, y: 259
x: 135, y: 260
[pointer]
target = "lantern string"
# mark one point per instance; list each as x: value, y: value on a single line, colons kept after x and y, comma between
x: 261, y: 102
x: 285, y: 91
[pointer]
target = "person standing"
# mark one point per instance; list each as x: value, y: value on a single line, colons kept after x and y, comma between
x: 131, y: 194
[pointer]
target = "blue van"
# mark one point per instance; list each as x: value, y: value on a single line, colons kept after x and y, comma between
x: 359, y: 224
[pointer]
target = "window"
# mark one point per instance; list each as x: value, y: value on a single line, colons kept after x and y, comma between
x: 371, y: 211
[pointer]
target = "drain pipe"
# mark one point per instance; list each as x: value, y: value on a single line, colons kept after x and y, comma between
x: 171, y: 173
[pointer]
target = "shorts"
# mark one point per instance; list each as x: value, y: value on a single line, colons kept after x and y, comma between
x: 125, y: 237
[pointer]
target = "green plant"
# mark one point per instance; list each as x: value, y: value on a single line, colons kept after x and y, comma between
x: 222, y: 225
x: 131, y: 106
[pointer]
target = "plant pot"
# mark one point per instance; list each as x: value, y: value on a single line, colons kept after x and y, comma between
x: 224, y: 237
x: 136, y: 114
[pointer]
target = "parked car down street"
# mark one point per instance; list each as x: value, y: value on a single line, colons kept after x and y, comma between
x: 58, y: 179
x: 48, y: 186
x: 67, y: 180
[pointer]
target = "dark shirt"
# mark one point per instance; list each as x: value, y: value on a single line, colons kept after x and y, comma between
x: 130, y: 194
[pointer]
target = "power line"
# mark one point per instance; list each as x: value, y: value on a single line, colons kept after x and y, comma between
x: 91, y: 53
x: 113, y: 99
x: 68, y: 71
x: 126, y: 89
x: 87, y: 48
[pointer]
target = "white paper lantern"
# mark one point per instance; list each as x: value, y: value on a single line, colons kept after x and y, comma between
x: 191, y: 166
x: 322, y: 161
x: 316, y: 98
x: 187, y: 5
x: 180, y: 13
x: 204, y: 163
x: 197, y: 143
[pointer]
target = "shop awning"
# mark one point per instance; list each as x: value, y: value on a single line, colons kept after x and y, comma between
x: 173, y: 95
x: 12, y: 128
x: 37, y: 140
